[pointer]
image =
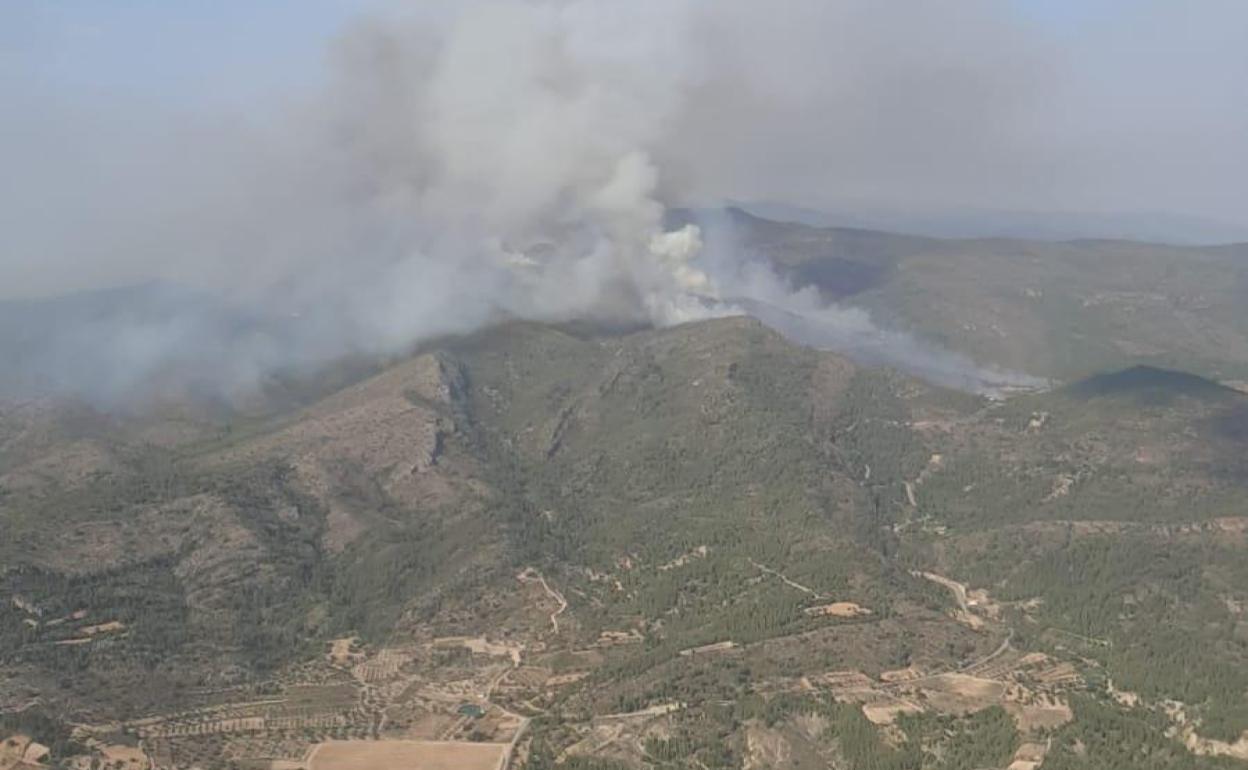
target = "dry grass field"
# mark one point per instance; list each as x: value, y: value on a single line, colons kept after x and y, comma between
x: 839, y: 610
x: 407, y: 755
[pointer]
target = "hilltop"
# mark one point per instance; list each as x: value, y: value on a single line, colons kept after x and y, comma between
x: 630, y: 548
x: 1063, y: 310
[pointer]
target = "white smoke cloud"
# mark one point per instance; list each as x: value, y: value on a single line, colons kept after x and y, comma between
x: 747, y: 284
x: 473, y: 162
x: 516, y: 135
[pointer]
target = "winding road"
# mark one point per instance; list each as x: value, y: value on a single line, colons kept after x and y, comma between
x: 529, y: 574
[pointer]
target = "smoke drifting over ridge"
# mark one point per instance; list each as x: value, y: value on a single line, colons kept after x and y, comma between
x: 749, y: 285
x: 478, y: 163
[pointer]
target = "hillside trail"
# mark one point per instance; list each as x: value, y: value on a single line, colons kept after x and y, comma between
x: 934, y: 464
x: 784, y: 579
x: 531, y: 574
x: 1000, y: 650
x: 959, y: 592
x: 505, y: 763
x: 957, y: 589
x: 659, y: 710
x: 526, y: 575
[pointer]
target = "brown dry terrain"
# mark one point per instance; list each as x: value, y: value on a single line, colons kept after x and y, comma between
x: 19, y: 752
x: 407, y: 755
x: 465, y: 701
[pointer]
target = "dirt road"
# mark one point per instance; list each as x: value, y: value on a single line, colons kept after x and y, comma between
x: 531, y: 574
x: 786, y: 581
x: 652, y: 711
x: 958, y: 589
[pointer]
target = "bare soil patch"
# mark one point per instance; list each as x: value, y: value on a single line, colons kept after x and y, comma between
x: 407, y: 755
x: 886, y: 712
x: 709, y: 648
x: 1044, y: 714
x: 839, y: 610
x: 967, y: 686
x: 341, y: 654
x: 962, y: 694
x: 125, y: 757
x: 103, y: 628
x: 765, y: 748
x: 12, y: 749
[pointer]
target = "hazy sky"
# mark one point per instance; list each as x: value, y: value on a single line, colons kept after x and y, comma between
x: 1057, y: 105
x: 375, y: 173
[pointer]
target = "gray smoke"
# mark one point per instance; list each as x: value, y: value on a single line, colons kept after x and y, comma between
x: 475, y: 161
x: 491, y: 163
x: 748, y: 284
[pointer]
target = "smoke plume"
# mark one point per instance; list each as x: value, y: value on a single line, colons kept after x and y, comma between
x: 471, y: 163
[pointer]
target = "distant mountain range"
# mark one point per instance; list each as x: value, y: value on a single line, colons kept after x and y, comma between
x: 1061, y: 310
x: 1150, y: 227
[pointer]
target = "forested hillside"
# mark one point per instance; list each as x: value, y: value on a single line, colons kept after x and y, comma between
x: 1062, y: 310
x: 701, y: 546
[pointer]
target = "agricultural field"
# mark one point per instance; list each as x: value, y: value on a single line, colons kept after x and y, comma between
x: 425, y: 755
